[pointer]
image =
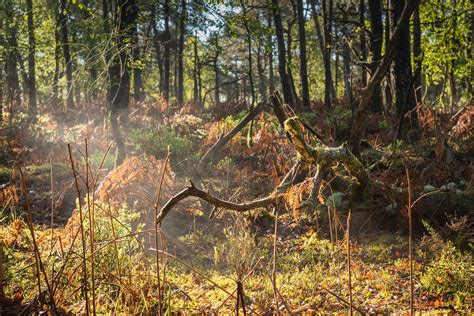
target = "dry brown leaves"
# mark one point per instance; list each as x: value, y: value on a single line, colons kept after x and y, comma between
x: 137, y: 179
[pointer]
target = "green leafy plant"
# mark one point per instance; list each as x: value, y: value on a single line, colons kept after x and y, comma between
x: 156, y: 142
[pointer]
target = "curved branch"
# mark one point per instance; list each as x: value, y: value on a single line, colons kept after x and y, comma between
x: 195, y: 192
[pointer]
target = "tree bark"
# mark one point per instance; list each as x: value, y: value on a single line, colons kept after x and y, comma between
x: 282, y: 67
x: 325, y: 42
x: 196, y: 72
x: 346, y: 62
x: 303, y: 61
x: 365, y: 96
x: 57, y: 55
x: 224, y: 139
x: 318, y: 153
x: 216, y: 73
x: 67, y: 54
x: 157, y: 41
x: 289, y: 54
x: 363, y: 44
x: 167, y: 51
x: 249, y: 56
x: 182, y: 34
x: 138, y: 92
x: 417, y: 52
x: 32, y: 101
x: 271, y: 77
x: 3, y: 60
x: 262, y: 80
x: 119, y: 72
x: 376, y: 42
x: 12, y: 78
x: 403, y: 75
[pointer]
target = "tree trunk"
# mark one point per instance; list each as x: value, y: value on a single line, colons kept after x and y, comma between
x: 388, y: 34
x: 402, y: 74
x: 216, y: 73
x: 325, y: 43
x: 175, y: 54
x: 196, y: 74
x: 67, y: 54
x: 289, y: 45
x: 32, y: 102
x: 13, y: 81
x: 167, y: 51
x: 57, y: 55
x: 303, y: 62
x: 249, y: 56
x: 119, y: 72
x: 363, y: 44
x: 376, y: 42
x: 363, y: 100
x: 157, y: 45
x: 75, y: 63
x: 417, y: 52
x: 182, y: 35
x: 262, y: 87
x: 282, y: 69
x: 346, y: 62
x: 271, y: 77
x: 3, y: 59
x: 138, y: 93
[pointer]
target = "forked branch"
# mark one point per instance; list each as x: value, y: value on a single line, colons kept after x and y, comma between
x: 193, y: 191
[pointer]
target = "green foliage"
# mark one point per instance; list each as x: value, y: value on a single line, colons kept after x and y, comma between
x: 450, y: 272
x: 157, y: 141
x: 96, y: 159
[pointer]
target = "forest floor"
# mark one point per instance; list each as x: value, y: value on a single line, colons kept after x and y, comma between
x: 300, y: 267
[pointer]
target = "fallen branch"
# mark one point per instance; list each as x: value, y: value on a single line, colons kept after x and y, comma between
x: 193, y: 191
x: 318, y: 153
x: 224, y: 139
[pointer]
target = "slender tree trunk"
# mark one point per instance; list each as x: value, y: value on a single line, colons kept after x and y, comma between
x: 215, y: 65
x: 119, y: 72
x: 388, y: 32
x: 75, y: 63
x: 346, y: 63
x: 303, y: 62
x: 336, y: 63
x: 175, y: 60
x: 3, y: 60
x: 157, y: 41
x: 195, y: 71
x: 138, y: 92
x: 417, y: 52
x: 452, y: 77
x: 167, y: 51
x: 402, y: 74
x: 67, y: 54
x: 325, y: 44
x: 261, y: 71
x: 363, y: 44
x: 32, y: 102
x: 12, y: 77
x: 249, y: 56
x: 289, y: 47
x: 271, y: 77
x: 376, y: 42
x: 282, y: 69
x: 181, y: 52
x: 57, y: 56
